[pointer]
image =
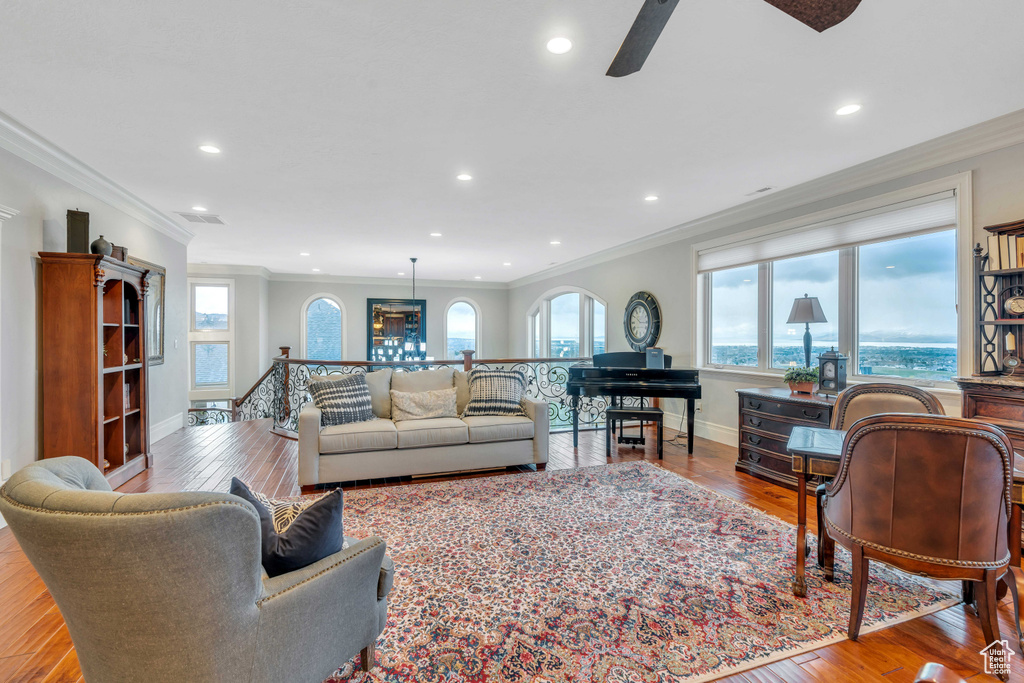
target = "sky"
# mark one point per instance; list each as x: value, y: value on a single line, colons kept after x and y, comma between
x: 461, y: 321
x: 906, y: 287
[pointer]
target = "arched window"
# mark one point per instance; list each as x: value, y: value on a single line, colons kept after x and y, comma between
x: 567, y: 323
x: 323, y: 328
x: 461, y: 328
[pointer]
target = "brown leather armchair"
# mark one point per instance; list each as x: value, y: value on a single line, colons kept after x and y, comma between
x: 929, y: 495
x: 864, y: 400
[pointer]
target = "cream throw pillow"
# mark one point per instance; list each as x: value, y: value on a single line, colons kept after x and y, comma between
x: 423, y: 405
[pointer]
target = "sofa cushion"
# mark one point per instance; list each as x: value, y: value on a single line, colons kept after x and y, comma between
x: 295, y: 532
x: 423, y: 405
x: 441, y: 431
x: 341, y: 398
x: 375, y: 435
x: 498, y: 428
x: 495, y: 392
x: 461, y: 380
x: 379, y: 384
x: 423, y: 380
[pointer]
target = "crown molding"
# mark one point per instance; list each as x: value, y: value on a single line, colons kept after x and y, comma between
x: 37, y: 150
x: 989, y: 136
x: 216, y: 270
x: 7, y: 212
x: 213, y: 269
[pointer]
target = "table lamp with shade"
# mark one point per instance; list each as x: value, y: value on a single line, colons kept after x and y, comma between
x: 807, y: 310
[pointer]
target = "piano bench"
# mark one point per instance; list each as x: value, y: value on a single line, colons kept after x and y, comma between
x: 612, y: 415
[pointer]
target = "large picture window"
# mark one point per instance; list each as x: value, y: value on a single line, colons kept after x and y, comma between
x: 567, y: 323
x: 888, y: 289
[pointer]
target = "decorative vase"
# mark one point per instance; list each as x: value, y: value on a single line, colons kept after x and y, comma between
x: 101, y: 246
x: 801, y: 387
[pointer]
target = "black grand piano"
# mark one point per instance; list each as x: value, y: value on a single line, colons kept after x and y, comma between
x: 625, y: 374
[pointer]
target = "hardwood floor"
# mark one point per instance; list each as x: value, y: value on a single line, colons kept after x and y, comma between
x: 35, y: 645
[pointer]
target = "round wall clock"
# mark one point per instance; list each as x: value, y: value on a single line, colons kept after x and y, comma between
x: 642, y: 321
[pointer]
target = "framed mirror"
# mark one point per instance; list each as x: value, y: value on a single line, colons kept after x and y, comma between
x: 396, y: 329
x: 154, y: 309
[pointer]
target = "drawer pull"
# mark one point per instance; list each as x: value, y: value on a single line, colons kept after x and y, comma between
x: 753, y: 457
x: 816, y: 416
x: 756, y: 440
x: 754, y: 422
x: 754, y: 405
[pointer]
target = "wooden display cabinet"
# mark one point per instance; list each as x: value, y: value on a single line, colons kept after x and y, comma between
x: 94, y: 367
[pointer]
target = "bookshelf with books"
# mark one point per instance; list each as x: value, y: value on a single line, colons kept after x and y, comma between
x: 94, y: 367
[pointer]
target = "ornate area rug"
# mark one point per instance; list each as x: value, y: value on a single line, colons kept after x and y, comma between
x: 620, y: 573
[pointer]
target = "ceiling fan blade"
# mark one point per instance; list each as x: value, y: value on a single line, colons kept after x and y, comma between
x: 818, y: 14
x: 641, y: 37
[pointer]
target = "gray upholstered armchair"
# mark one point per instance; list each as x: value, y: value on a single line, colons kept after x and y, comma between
x: 169, y: 587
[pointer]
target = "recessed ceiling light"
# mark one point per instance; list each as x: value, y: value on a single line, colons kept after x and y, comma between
x: 464, y: 176
x: 651, y: 198
x: 559, y: 46
x: 401, y: 273
x: 476, y: 277
x: 506, y: 263
x: 746, y: 280
x: 555, y: 242
x: 435, y: 234
x: 199, y: 208
x: 890, y: 266
x: 303, y: 253
x: 848, y: 109
x: 209, y: 149
x: 316, y: 270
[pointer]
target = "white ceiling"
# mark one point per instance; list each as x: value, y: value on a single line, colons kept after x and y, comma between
x: 343, y: 124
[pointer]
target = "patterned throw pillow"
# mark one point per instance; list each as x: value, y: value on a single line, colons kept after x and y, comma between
x: 342, y: 400
x: 295, y: 532
x: 423, y: 405
x: 495, y: 392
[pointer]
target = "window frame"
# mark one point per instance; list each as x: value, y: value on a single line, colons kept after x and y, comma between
x: 539, y: 316
x: 218, y: 391
x: 302, y: 324
x: 478, y: 333
x: 849, y: 301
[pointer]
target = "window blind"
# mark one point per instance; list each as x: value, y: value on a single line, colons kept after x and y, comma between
x: 926, y: 214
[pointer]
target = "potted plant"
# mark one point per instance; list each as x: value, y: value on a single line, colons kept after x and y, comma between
x: 801, y: 380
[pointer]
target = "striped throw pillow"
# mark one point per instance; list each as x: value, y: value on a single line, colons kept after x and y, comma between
x: 342, y: 400
x: 495, y: 392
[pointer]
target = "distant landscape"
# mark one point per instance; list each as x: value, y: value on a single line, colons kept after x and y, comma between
x: 921, y: 360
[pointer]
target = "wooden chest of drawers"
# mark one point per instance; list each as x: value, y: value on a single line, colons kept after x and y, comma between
x: 766, y: 418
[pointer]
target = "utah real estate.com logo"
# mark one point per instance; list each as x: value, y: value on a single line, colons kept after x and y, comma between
x: 997, y: 658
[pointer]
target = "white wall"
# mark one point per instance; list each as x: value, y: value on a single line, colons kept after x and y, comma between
x: 287, y: 297
x: 43, y: 201
x: 268, y: 310
x: 667, y: 272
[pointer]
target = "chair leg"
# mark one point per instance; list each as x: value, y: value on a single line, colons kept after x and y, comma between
x: 858, y: 591
x: 986, y: 594
x: 1015, y: 582
x: 368, y: 655
x: 609, y: 428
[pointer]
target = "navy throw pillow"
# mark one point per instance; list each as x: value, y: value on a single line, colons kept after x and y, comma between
x: 296, y: 532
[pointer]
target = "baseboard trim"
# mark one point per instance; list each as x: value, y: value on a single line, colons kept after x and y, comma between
x: 707, y: 430
x: 166, y: 427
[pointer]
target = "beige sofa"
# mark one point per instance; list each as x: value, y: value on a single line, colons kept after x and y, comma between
x: 385, y: 448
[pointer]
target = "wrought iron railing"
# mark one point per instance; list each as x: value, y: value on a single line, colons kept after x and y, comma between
x: 545, y: 377
x: 282, y: 391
